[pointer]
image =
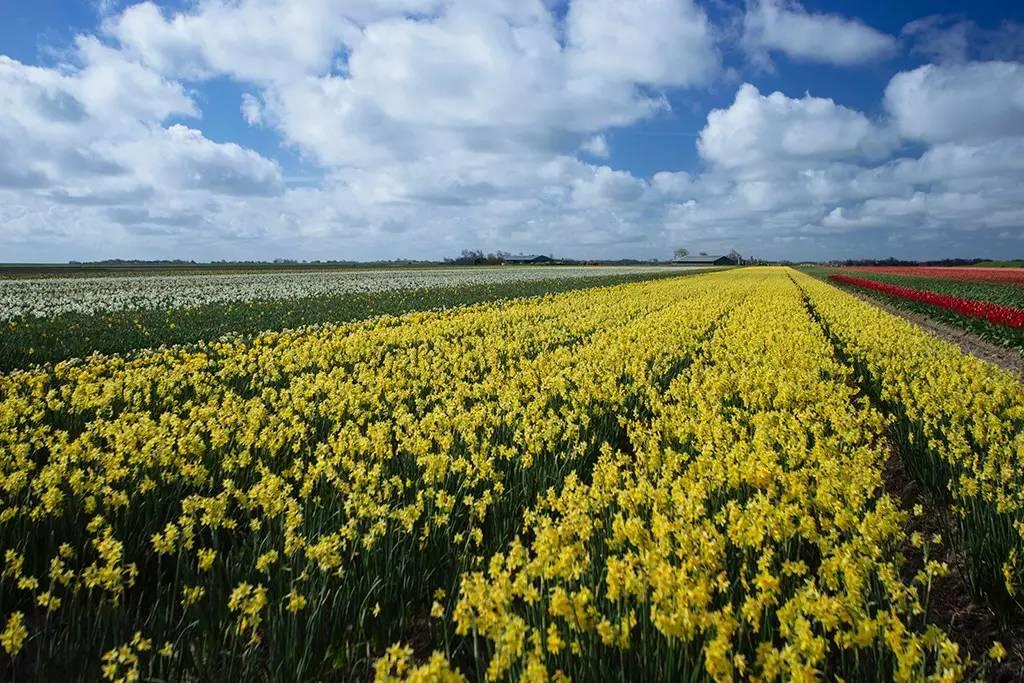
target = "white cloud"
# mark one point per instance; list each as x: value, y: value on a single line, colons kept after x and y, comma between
x: 181, y: 158
x: 939, y: 38
x: 469, y: 79
x: 253, y: 40
x: 94, y: 134
x: 786, y: 174
x: 104, y: 91
x: 976, y: 101
x: 604, y: 186
x: 762, y: 131
x: 252, y: 109
x: 785, y: 26
x: 656, y: 42
x: 674, y: 185
x: 473, y: 109
x: 596, y: 146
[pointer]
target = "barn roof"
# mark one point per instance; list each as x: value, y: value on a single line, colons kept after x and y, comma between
x: 699, y: 259
x: 526, y: 257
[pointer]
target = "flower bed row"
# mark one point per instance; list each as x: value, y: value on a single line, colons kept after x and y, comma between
x: 1001, y: 275
x: 994, y: 313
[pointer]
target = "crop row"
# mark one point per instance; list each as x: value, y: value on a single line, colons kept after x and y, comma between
x: 995, y: 275
x: 746, y: 535
x: 48, y: 297
x: 994, y: 292
x: 975, y: 295
x: 1007, y: 316
x: 33, y: 340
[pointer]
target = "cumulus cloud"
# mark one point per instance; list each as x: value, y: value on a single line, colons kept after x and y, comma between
x: 460, y: 106
x: 181, y: 157
x: 483, y: 81
x: 253, y: 40
x: 787, y: 172
x: 785, y: 26
x: 657, y: 42
x: 767, y: 130
x: 93, y: 133
x: 604, y: 186
x: 943, y: 103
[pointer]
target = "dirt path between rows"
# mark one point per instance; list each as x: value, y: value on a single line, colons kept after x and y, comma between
x: 1006, y: 358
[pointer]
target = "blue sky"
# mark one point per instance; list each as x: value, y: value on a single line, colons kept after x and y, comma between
x: 589, y: 128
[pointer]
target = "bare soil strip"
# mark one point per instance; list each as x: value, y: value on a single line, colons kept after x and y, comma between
x: 1010, y: 360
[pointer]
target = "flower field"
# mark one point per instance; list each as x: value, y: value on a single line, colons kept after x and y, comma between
x: 988, y: 302
x: 678, y: 479
x: 78, y: 325
x: 49, y: 297
x: 1007, y: 316
x: 961, y: 274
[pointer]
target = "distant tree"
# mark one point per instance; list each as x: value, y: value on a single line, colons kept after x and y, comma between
x: 681, y: 252
x: 476, y: 257
x: 703, y: 253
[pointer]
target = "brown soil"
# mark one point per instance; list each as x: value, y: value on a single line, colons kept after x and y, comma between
x: 1006, y: 358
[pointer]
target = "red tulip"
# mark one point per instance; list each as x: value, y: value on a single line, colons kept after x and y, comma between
x: 994, y: 313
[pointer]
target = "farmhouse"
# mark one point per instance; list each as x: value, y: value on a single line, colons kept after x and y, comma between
x: 527, y: 259
x: 705, y: 261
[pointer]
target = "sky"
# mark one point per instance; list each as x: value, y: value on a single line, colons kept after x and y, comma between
x: 382, y: 129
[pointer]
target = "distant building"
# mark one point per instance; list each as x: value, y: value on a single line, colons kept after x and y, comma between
x: 527, y: 259
x: 705, y: 261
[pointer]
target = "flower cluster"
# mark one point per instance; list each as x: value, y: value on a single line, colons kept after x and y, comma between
x: 985, y: 310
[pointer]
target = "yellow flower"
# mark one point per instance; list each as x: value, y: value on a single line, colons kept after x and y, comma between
x: 554, y: 639
x: 206, y: 558
x: 296, y: 602
x: 48, y: 600
x: 28, y: 583
x: 266, y: 560
x: 14, y: 635
x: 191, y: 595
x: 13, y: 564
x: 248, y: 602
